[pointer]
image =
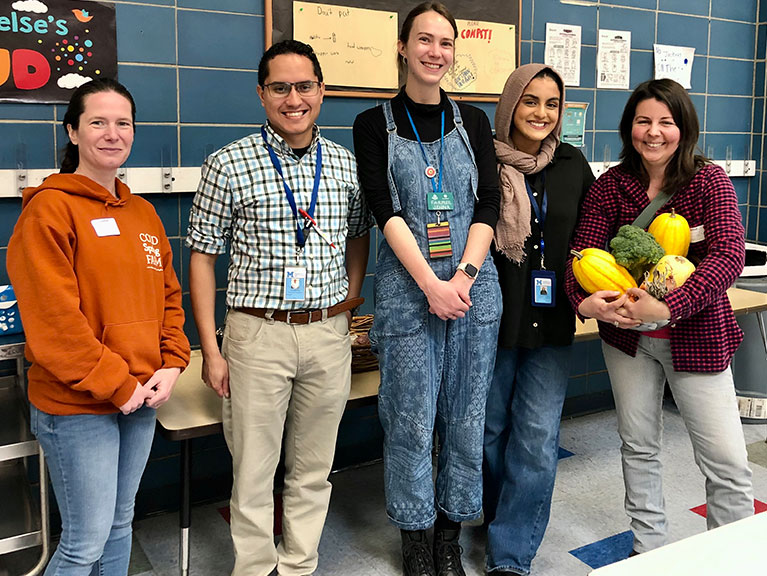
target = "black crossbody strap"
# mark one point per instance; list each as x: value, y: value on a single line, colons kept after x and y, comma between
x: 644, y: 219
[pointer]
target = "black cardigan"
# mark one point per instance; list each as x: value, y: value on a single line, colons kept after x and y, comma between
x: 568, y: 177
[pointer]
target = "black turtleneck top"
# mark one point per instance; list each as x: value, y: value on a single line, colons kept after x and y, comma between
x: 371, y: 147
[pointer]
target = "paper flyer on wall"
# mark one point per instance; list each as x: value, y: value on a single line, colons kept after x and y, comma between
x: 574, y: 123
x: 614, y: 59
x: 563, y: 51
x: 674, y: 62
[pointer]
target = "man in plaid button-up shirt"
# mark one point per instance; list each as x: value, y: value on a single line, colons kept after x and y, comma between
x: 282, y: 382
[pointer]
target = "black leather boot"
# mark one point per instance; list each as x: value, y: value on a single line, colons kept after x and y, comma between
x: 447, y: 552
x: 416, y: 554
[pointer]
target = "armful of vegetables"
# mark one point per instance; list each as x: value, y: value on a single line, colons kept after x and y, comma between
x: 656, y: 259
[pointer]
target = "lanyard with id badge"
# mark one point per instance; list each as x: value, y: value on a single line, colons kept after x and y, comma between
x: 294, y: 279
x: 437, y: 233
x: 544, y: 282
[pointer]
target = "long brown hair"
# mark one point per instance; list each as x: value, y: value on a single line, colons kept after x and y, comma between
x: 685, y: 162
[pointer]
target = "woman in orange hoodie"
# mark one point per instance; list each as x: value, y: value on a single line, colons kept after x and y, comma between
x: 101, y: 307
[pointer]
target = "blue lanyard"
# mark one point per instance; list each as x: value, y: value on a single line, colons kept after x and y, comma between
x: 300, y: 237
x: 540, y: 214
x: 437, y: 188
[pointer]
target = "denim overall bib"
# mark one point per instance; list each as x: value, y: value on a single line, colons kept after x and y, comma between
x: 432, y: 369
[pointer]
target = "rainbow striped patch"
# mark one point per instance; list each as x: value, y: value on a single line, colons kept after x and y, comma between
x: 439, y: 240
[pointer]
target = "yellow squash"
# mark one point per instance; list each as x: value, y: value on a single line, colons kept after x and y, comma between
x: 672, y: 232
x: 596, y: 269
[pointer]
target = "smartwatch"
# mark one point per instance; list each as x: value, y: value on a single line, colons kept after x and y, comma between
x: 469, y: 269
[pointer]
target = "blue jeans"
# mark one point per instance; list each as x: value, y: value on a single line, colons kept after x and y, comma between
x: 524, y: 407
x: 95, y: 463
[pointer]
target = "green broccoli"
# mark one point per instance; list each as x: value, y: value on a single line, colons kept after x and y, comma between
x: 636, y: 250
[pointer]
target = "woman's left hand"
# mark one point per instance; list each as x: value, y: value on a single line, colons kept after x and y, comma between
x: 642, y: 306
x: 162, y: 382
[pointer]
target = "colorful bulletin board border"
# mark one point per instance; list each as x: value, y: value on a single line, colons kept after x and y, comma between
x: 50, y: 47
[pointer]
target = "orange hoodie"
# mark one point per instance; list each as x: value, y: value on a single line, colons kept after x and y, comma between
x: 99, y: 300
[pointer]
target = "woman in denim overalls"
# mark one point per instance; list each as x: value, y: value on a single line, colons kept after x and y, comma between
x: 437, y: 314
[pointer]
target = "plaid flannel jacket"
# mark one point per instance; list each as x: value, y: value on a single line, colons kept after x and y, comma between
x: 704, y: 333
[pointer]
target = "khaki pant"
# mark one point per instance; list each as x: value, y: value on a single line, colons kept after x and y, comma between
x: 294, y: 378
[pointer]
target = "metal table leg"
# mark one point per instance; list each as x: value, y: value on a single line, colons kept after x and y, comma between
x: 185, y: 513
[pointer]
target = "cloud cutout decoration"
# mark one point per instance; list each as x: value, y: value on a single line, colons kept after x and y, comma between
x: 72, y: 81
x: 30, y: 6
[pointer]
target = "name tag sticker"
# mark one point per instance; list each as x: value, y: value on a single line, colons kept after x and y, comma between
x: 105, y: 227
x: 697, y: 234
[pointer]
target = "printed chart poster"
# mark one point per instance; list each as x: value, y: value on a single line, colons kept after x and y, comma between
x: 614, y: 59
x: 563, y: 51
x: 50, y: 47
x: 356, y: 47
x: 485, y: 55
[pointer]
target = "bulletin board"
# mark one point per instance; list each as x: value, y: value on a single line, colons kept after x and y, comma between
x: 361, y: 36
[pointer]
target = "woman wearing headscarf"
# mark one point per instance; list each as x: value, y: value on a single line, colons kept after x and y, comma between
x: 543, y: 182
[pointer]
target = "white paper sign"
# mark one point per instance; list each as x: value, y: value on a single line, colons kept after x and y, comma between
x: 563, y: 51
x: 674, y: 62
x: 614, y: 59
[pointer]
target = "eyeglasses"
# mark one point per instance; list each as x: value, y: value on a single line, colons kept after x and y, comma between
x: 282, y: 89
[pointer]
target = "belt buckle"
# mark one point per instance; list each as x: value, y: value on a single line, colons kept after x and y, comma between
x: 290, y: 313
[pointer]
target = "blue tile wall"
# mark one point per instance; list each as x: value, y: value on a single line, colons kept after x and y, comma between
x: 150, y: 86
x: 196, y: 91
x: 244, y: 6
x: 674, y: 29
x: 744, y: 10
x: 729, y: 114
x: 732, y: 39
x: 145, y: 34
x: 30, y: 144
x: 735, y: 77
x: 219, y: 97
x: 555, y: 12
x: 641, y: 24
x: 689, y: 7
x: 200, y: 42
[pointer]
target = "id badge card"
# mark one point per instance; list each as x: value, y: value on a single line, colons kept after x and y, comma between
x: 441, y: 202
x: 544, y: 288
x: 295, y: 283
x: 438, y: 235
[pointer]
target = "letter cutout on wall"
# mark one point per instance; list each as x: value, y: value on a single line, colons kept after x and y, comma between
x: 30, y: 69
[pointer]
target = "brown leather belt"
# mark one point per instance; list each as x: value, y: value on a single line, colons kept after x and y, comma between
x: 303, y: 316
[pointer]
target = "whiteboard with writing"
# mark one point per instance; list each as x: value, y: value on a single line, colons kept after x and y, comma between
x: 356, y: 47
x: 485, y: 55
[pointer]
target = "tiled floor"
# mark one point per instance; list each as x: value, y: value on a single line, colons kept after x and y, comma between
x: 587, y: 509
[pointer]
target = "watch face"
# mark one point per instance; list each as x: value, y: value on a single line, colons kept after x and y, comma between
x: 469, y: 269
